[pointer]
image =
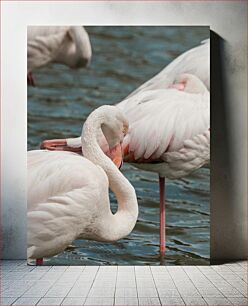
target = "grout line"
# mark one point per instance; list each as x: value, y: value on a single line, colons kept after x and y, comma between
x: 211, y: 281
x: 228, y: 282
x: 38, y: 301
x: 193, y: 282
x: 37, y: 280
x: 98, y: 267
x: 136, y: 286
x: 237, y: 273
x: 155, y: 287
x: 116, y: 283
x: 176, y: 286
x: 172, y: 276
x: 235, y: 304
x: 14, y: 301
x: 73, y: 284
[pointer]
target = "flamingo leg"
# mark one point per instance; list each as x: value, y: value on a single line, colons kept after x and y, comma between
x: 162, y: 215
x: 39, y: 261
x: 31, y: 79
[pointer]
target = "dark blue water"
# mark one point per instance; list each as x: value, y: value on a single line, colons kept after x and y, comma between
x: 123, y: 59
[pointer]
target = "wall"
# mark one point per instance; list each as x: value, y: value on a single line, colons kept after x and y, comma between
x: 227, y: 20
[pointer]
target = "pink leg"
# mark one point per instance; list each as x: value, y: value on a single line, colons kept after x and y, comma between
x: 39, y: 262
x: 162, y: 214
x: 30, y: 79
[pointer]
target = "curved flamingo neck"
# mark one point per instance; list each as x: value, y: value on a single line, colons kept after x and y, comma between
x: 122, y: 222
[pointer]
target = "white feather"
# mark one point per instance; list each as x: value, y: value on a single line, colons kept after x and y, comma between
x: 66, y: 45
x: 169, y: 130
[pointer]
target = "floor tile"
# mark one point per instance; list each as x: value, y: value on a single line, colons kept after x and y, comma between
x: 73, y: 301
x: 217, y: 301
x: 58, y: 291
x: 7, y: 301
x: 27, y: 301
x: 99, y: 301
x: 126, y: 283
x: 50, y: 301
x: 142, y: 285
x: 125, y: 269
x: 189, y: 292
x: 147, y: 292
x: 145, y: 283
x: 122, y: 301
x: 79, y: 291
x: 230, y: 291
x: 199, y: 301
x: 210, y: 292
x: 164, y: 292
x: 102, y: 292
x: 239, y: 301
x: 149, y: 301
x: 166, y: 301
x: 126, y: 292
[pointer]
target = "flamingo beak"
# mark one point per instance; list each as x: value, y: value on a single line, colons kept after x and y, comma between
x: 115, y: 154
x: 178, y: 86
x: 59, y: 145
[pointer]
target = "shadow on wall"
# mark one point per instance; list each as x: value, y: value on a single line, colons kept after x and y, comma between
x: 223, y: 232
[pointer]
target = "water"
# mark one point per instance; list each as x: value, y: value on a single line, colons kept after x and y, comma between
x: 124, y: 58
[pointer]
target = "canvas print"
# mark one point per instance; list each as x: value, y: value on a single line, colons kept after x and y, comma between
x: 118, y: 145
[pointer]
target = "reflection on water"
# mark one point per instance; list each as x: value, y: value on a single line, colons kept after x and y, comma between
x: 124, y: 58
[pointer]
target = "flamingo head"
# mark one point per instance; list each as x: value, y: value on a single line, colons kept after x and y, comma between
x: 114, y: 127
x: 110, y: 137
x: 189, y: 83
x: 113, y: 130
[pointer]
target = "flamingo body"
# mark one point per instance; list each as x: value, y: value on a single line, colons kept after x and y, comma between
x: 68, y: 195
x: 169, y: 131
x: 57, y: 183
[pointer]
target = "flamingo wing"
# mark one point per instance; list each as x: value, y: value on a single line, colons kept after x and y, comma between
x: 161, y: 121
x: 194, y: 154
x: 64, y: 193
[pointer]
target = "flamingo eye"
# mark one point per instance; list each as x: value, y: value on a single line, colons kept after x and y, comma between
x: 124, y: 130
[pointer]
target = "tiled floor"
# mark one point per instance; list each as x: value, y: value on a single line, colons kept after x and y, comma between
x: 139, y: 285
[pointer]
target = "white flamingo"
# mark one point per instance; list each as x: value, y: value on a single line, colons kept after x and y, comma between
x: 68, y: 195
x: 169, y: 133
x: 65, y: 45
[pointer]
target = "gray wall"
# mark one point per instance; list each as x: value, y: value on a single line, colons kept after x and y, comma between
x: 227, y: 20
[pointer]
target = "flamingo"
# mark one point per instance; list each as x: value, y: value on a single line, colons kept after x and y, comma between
x: 68, y: 196
x: 65, y: 45
x: 169, y: 133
